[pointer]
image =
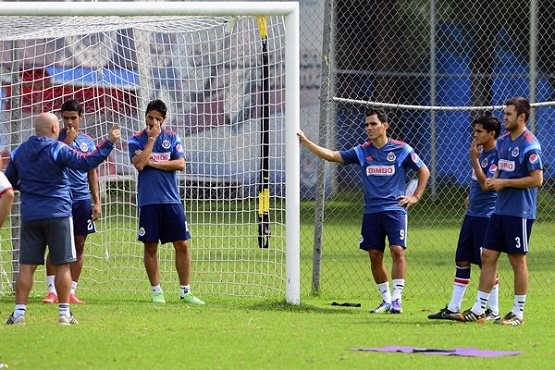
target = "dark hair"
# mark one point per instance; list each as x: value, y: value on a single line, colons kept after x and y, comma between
x: 72, y: 106
x: 382, y: 116
x: 522, y: 106
x: 157, y: 105
x: 489, y: 122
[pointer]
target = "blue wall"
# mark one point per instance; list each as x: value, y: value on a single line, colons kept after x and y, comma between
x: 453, y: 89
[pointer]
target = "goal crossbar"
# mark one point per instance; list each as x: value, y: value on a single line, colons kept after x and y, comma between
x: 153, y: 9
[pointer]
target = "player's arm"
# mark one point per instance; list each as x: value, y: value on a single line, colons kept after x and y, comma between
x: 480, y: 175
x: 423, y: 177
x: 172, y: 165
x: 141, y: 158
x: 324, y: 153
x: 67, y: 157
x: 92, y: 177
x: 533, y: 180
x: 476, y: 167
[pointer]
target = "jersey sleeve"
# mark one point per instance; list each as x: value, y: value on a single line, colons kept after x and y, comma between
x: 177, y: 151
x: 412, y: 160
x: 350, y: 156
x: 533, y: 160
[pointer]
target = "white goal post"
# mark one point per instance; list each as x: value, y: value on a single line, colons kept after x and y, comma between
x: 231, y: 82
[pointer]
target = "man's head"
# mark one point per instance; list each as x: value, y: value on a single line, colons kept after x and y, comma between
x: 486, y: 128
x: 47, y: 125
x: 375, y: 123
x: 72, y: 112
x: 517, y: 111
x: 156, y: 112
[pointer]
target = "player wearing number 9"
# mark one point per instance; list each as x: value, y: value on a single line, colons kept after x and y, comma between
x: 383, y: 163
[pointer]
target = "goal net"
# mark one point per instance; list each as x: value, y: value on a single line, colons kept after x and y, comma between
x: 222, y: 72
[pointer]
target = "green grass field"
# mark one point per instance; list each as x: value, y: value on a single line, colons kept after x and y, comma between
x: 117, y: 333
x: 124, y: 330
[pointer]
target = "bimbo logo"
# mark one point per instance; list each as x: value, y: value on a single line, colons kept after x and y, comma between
x: 380, y: 170
x: 160, y: 157
x: 505, y: 165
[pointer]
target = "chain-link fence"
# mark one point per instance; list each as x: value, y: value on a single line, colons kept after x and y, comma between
x: 411, y: 54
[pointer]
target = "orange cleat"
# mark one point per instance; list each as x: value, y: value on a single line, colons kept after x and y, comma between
x: 51, y: 298
x: 74, y: 300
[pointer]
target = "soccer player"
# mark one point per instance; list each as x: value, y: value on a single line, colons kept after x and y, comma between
x: 83, y: 185
x: 158, y: 154
x: 479, y: 205
x: 383, y: 168
x: 518, y: 176
x: 38, y: 168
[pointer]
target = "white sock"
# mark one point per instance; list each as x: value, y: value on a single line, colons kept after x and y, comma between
x: 63, y: 308
x: 73, y: 287
x: 51, y: 284
x: 480, y: 303
x: 185, y: 289
x: 398, y: 286
x: 518, y: 306
x: 459, y: 289
x: 493, y: 301
x: 156, y: 288
x: 383, y: 288
x: 19, y: 310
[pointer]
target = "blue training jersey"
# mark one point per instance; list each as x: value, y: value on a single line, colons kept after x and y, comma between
x: 38, y: 168
x: 383, y: 172
x: 79, y: 180
x: 156, y: 186
x: 482, y: 203
x: 516, y: 159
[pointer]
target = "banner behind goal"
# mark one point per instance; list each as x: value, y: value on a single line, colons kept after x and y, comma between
x: 205, y: 61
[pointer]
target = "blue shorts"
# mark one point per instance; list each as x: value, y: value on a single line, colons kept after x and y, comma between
x: 508, y: 234
x: 377, y: 226
x: 162, y: 222
x: 81, y: 211
x: 471, y: 239
x: 57, y: 233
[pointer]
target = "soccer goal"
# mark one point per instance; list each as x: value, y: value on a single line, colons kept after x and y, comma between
x: 229, y: 72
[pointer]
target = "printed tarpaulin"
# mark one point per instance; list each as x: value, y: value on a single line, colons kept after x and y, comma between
x: 468, y: 352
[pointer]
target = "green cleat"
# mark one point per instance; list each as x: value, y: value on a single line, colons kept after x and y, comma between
x: 191, y: 299
x: 158, y: 297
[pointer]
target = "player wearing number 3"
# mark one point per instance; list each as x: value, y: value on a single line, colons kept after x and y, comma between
x: 384, y: 163
x: 517, y: 179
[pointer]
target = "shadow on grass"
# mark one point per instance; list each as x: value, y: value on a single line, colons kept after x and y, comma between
x: 301, y: 308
